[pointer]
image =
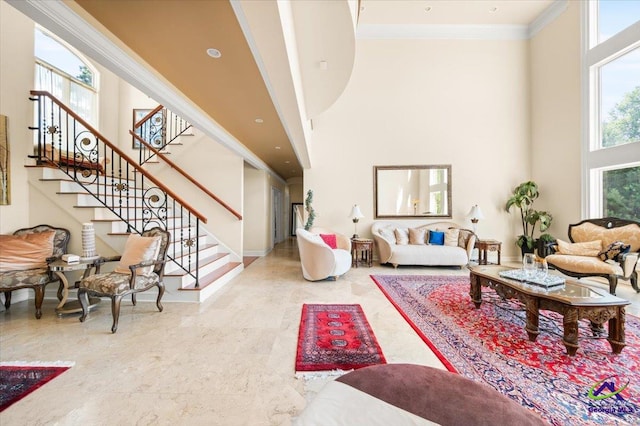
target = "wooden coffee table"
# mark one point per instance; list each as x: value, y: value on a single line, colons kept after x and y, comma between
x: 574, y: 302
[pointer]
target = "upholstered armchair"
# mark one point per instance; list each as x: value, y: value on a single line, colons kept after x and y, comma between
x: 323, y: 254
x: 24, y: 257
x: 140, y: 268
x: 607, y: 247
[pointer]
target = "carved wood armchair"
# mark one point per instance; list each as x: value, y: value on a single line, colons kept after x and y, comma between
x: 140, y: 268
x: 24, y: 259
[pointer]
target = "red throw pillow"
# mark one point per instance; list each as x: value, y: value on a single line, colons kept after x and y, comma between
x: 330, y: 240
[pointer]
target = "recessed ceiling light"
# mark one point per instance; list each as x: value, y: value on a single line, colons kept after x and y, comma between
x: 493, y: 9
x: 214, y: 53
x: 259, y: 120
x: 277, y: 147
x: 287, y: 162
x: 427, y: 9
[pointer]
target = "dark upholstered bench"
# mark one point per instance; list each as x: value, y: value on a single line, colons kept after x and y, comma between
x: 404, y: 394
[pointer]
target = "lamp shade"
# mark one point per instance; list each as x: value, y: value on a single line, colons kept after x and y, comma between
x: 475, y: 213
x: 356, y: 213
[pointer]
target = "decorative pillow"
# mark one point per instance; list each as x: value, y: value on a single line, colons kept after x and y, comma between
x: 138, y: 249
x: 436, y: 238
x: 613, y: 250
x: 402, y: 236
x: 417, y: 236
x: 451, y: 237
x: 589, y: 248
x: 330, y: 240
x: 26, y: 251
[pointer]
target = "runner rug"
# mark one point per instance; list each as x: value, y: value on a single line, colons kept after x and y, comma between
x: 336, y: 337
x: 19, y: 379
x: 490, y: 345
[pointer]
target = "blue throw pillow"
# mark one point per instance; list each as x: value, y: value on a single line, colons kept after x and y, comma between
x: 436, y: 238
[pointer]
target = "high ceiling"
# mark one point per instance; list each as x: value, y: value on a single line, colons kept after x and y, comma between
x: 173, y: 36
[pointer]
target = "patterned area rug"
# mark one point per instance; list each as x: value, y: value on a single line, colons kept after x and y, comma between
x: 336, y: 337
x: 18, y: 380
x: 490, y: 345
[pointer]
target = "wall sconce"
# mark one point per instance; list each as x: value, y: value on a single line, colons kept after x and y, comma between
x: 355, y: 216
x: 475, y: 214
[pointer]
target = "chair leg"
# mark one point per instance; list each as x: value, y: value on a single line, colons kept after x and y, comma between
x: 634, y: 281
x: 83, y: 298
x: 115, y: 311
x: 39, y: 298
x: 613, y: 283
x: 160, y: 293
x: 7, y: 299
x: 133, y: 299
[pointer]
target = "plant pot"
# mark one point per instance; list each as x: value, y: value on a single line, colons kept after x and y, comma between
x: 543, y: 248
x: 525, y: 249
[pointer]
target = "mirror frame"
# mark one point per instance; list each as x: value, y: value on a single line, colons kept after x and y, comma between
x: 376, y: 178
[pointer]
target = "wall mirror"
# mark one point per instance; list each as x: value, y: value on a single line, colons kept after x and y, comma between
x: 412, y: 191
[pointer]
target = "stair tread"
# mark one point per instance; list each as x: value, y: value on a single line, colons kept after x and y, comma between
x: 212, y: 277
x: 202, y: 263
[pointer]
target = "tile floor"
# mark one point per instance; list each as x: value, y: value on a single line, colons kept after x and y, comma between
x: 228, y: 361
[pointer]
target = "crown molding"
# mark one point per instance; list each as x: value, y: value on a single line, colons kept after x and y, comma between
x: 442, y: 32
x: 60, y: 19
x: 554, y: 10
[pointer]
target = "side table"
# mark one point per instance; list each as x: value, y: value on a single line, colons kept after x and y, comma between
x: 59, y: 267
x: 484, y: 246
x: 361, y: 251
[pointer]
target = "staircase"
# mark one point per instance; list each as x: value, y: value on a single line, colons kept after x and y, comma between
x: 97, y: 182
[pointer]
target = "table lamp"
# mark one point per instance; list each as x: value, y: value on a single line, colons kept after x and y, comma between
x: 475, y: 214
x: 355, y: 216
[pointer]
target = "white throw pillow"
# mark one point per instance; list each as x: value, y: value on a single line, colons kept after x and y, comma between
x: 138, y: 249
x: 451, y: 237
x: 402, y: 236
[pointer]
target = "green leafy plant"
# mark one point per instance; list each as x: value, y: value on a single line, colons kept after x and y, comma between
x: 522, y: 198
x: 310, y: 211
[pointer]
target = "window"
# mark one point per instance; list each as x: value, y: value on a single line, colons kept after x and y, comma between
x: 612, y: 146
x: 66, y: 75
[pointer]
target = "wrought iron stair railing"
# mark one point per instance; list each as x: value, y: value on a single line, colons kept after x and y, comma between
x: 159, y: 128
x: 69, y: 143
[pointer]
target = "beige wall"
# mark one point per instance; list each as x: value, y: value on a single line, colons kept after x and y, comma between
x: 555, y: 119
x: 16, y: 80
x: 256, y: 214
x: 459, y: 102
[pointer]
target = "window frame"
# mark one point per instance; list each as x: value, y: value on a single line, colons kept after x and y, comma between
x: 597, y: 159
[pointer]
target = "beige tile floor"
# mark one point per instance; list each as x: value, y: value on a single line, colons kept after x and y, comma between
x: 228, y: 361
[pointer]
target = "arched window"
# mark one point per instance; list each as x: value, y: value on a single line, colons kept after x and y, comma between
x: 64, y: 73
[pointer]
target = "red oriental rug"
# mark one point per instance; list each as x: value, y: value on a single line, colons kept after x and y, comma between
x: 19, y: 380
x: 490, y: 345
x: 336, y: 337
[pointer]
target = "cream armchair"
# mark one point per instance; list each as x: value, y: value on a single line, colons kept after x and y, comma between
x: 319, y: 261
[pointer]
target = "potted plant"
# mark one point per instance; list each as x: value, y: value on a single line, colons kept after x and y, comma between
x: 522, y: 198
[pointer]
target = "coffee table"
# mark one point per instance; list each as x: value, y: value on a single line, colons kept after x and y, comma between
x: 574, y: 301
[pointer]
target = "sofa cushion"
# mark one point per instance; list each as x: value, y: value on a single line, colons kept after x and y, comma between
x: 589, y: 248
x: 584, y: 264
x: 429, y: 255
x: 451, y: 237
x: 25, y: 251
x: 614, y: 249
x: 417, y: 236
x: 388, y: 235
x: 436, y: 238
x: 402, y: 236
x: 628, y: 234
x: 330, y: 240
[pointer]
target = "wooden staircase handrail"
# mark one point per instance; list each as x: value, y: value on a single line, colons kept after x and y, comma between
x: 133, y: 163
x: 186, y: 175
x: 148, y: 116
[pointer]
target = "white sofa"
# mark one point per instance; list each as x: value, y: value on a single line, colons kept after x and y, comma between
x: 455, y: 252
x: 319, y: 261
